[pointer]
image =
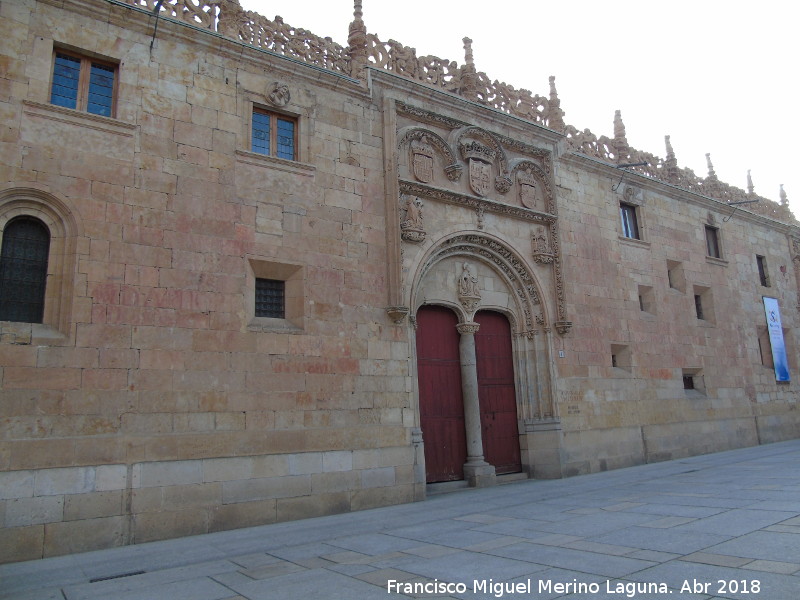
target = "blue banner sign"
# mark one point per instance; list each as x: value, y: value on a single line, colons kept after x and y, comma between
x: 779, y: 358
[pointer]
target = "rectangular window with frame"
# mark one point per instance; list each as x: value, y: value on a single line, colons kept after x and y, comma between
x: 83, y: 83
x: 712, y: 242
x: 274, y: 134
x: 630, y: 221
x: 763, y: 275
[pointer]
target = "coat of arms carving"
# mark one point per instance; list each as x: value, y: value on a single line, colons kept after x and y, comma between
x: 527, y: 189
x: 480, y: 158
x: 422, y: 160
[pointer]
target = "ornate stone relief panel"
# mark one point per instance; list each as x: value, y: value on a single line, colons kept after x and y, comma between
x: 506, y: 178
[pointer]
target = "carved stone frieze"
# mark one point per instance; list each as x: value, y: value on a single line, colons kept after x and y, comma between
x: 508, y: 210
x: 420, y: 114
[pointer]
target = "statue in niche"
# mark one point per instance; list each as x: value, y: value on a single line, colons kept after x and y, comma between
x: 468, y: 292
x: 542, y: 251
x: 422, y: 159
x: 527, y: 188
x: 412, y: 228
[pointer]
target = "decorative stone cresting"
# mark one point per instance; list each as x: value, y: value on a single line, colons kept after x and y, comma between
x: 365, y: 49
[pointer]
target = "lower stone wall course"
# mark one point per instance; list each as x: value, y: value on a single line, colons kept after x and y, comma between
x: 34, y: 511
x: 21, y: 543
x: 305, y: 507
x: 242, y: 514
x: 176, y: 497
x: 384, y: 496
x: 151, y: 527
x: 262, y: 489
x: 85, y: 535
x: 95, y: 505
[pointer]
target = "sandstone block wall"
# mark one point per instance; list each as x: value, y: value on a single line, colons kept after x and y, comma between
x: 153, y: 403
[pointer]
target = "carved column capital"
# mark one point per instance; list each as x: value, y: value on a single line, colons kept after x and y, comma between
x: 468, y: 328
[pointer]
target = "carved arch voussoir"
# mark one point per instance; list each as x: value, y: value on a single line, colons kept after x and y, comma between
x: 504, y: 261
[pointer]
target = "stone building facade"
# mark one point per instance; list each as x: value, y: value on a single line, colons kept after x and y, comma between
x: 250, y: 275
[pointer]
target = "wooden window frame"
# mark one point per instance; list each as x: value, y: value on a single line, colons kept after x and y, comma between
x: 82, y: 101
x: 633, y: 225
x: 713, y: 250
x: 274, y: 117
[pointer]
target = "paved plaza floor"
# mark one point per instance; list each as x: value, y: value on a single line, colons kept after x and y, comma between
x: 723, y: 525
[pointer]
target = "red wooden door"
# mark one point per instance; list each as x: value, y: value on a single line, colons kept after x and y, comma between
x: 498, y: 400
x: 441, y: 406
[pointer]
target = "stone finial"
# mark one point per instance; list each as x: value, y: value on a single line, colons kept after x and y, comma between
x: 784, y: 199
x: 231, y: 16
x: 711, y: 173
x: 750, y: 187
x: 555, y: 116
x: 357, y: 42
x: 670, y: 150
x: 620, y: 141
x: 671, y: 162
x: 469, y: 75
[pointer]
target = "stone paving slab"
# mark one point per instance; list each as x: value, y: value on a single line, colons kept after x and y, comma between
x: 727, y: 517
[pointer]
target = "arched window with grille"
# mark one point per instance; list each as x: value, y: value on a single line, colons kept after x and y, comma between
x: 23, y: 270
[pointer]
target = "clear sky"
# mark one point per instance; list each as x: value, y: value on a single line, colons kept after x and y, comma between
x: 717, y: 76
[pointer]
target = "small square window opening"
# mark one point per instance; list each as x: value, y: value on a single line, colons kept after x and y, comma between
x: 270, y: 298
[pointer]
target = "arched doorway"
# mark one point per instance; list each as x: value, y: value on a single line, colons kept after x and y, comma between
x: 496, y: 392
x: 441, y: 406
